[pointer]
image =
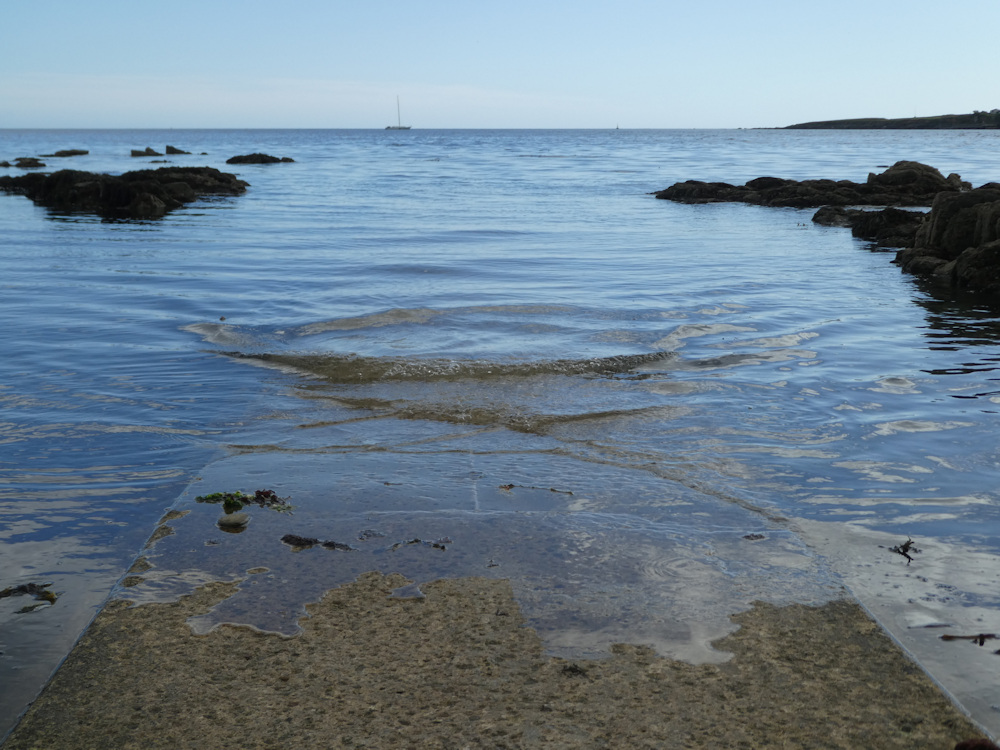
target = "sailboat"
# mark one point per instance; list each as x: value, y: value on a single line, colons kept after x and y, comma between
x: 399, y: 121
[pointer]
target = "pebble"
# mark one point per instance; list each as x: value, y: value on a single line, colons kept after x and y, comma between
x: 234, y: 522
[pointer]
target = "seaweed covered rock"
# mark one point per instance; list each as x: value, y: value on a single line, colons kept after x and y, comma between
x: 904, y: 183
x: 142, y: 194
x: 258, y: 159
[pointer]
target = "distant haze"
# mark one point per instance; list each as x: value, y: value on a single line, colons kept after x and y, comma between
x: 539, y: 64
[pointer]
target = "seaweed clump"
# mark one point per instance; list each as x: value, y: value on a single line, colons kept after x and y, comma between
x: 299, y: 543
x: 236, y: 501
x: 37, y: 590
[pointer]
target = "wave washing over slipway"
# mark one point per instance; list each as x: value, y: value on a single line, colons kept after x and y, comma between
x: 456, y: 358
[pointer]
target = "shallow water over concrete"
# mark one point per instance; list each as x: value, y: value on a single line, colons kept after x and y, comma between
x: 425, y: 319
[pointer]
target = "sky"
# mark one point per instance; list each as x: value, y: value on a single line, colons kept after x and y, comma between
x: 510, y: 64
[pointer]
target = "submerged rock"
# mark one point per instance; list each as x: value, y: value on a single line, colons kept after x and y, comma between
x: 143, y: 194
x: 234, y: 523
x: 299, y: 543
x: 40, y: 592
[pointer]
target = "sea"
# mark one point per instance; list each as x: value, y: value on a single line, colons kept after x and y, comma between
x: 494, y: 353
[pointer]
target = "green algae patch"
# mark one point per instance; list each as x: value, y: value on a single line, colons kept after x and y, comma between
x: 233, y: 502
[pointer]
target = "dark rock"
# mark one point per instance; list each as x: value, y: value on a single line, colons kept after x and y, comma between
x: 960, y: 221
x: 331, y: 544
x: 175, y: 151
x: 68, y: 152
x: 911, y: 176
x: 890, y: 227
x: 181, y: 191
x: 695, y: 191
x: 835, y: 216
x: 258, y: 159
x: 919, y: 261
x: 904, y: 183
x: 143, y: 194
x: 299, y: 542
x: 958, y: 244
x: 146, y: 152
x: 28, y: 162
x: 978, y: 268
x: 767, y: 183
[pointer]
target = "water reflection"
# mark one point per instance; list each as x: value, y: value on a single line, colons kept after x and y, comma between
x: 962, y: 322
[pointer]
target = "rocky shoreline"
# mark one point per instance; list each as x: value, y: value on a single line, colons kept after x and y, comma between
x: 956, y: 243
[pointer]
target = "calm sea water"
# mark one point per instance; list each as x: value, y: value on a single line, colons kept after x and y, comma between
x: 646, y: 415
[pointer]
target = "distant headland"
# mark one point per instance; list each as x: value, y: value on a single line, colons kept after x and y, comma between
x: 975, y: 121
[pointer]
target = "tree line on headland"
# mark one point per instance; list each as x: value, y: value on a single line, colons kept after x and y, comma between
x: 978, y: 120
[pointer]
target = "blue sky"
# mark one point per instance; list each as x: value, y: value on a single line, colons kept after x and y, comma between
x: 512, y: 64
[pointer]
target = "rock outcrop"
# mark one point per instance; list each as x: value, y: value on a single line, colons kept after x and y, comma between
x: 143, y: 194
x: 67, y: 153
x: 148, y: 151
x: 956, y: 243
x: 905, y: 183
x: 258, y: 159
x: 959, y: 241
x: 890, y: 227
